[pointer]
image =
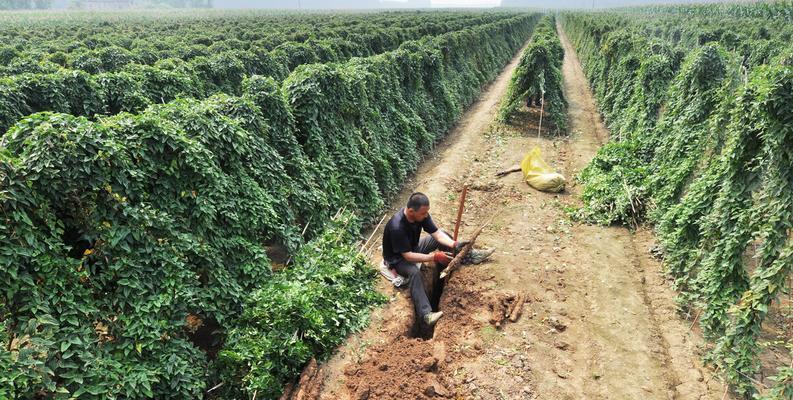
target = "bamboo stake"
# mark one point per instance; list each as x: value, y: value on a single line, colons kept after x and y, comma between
x: 695, y: 321
x: 373, y: 232
x: 215, y: 387
x: 630, y: 198
x: 303, y: 233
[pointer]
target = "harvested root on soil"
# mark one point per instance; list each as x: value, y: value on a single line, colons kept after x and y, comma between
x: 507, y: 307
x: 515, y: 314
x: 499, y: 308
x: 511, y: 306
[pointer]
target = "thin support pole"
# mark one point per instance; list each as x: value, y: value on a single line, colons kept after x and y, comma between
x: 542, y: 107
x: 460, y: 212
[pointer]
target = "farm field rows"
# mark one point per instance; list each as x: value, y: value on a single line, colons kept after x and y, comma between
x: 138, y: 246
x: 700, y: 119
x: 128, y: 65
x: 704, y: 311
x: 185, y: 198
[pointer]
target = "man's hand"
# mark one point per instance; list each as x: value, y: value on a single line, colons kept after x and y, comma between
x: 458, y: 245
x: 441, y: 257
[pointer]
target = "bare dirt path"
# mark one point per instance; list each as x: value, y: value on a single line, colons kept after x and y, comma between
x: 599, y: 320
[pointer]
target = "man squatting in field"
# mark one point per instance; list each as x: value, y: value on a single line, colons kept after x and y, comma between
x: 404, y: 252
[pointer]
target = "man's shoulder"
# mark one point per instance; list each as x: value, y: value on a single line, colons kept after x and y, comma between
x: 429, y: 225
x: 395, y: 221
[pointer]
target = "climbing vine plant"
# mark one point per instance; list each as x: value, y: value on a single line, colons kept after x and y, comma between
x: 135, y: 248
x: 702, y: 147
x: 537, y: 80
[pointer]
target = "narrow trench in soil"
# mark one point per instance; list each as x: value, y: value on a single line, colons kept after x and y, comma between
x: 434, y: 286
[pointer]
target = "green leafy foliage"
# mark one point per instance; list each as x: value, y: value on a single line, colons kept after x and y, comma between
x: 115, y: 259
x: 104, y: 74
x: 403, y: 101
x: 538, y: 77
x: 131, y: 243
x: 614, y: 190
x: 302, y: 312
x: 708, y: 160
x: 735, y: 306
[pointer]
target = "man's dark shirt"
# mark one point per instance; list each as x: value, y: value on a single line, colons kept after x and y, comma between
x: 401, y: 236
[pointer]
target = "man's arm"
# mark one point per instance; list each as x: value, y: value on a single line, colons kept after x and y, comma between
x: 437, y: 256
x: 443, y: 239
x: 413, y: 257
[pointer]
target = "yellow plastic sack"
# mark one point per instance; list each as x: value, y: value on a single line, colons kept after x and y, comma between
x: 539, y: 175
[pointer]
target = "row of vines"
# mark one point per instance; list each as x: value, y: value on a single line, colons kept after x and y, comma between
x: 113, y: 80
x: 701, y: 116
x: 134, y: 248
x: 538, y: 78
x: 95, y: 42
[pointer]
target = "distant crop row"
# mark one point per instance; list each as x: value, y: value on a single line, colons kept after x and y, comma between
x: 781, y: 10
x: 108, y: 45
x: 117, y: 82
x: 538, y: 77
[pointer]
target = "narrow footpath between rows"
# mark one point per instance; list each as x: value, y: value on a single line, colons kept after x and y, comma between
x: 599, y: 320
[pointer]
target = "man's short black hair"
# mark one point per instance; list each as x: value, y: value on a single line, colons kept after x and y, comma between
x: 418, y: 200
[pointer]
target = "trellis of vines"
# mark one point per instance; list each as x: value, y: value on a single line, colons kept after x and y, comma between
x: 134, y: 248
x: 538, y: 77
x: 703, y: 148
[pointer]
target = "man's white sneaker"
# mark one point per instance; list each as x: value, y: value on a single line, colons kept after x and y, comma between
x: 390, y: 274
x: 398, y: 281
